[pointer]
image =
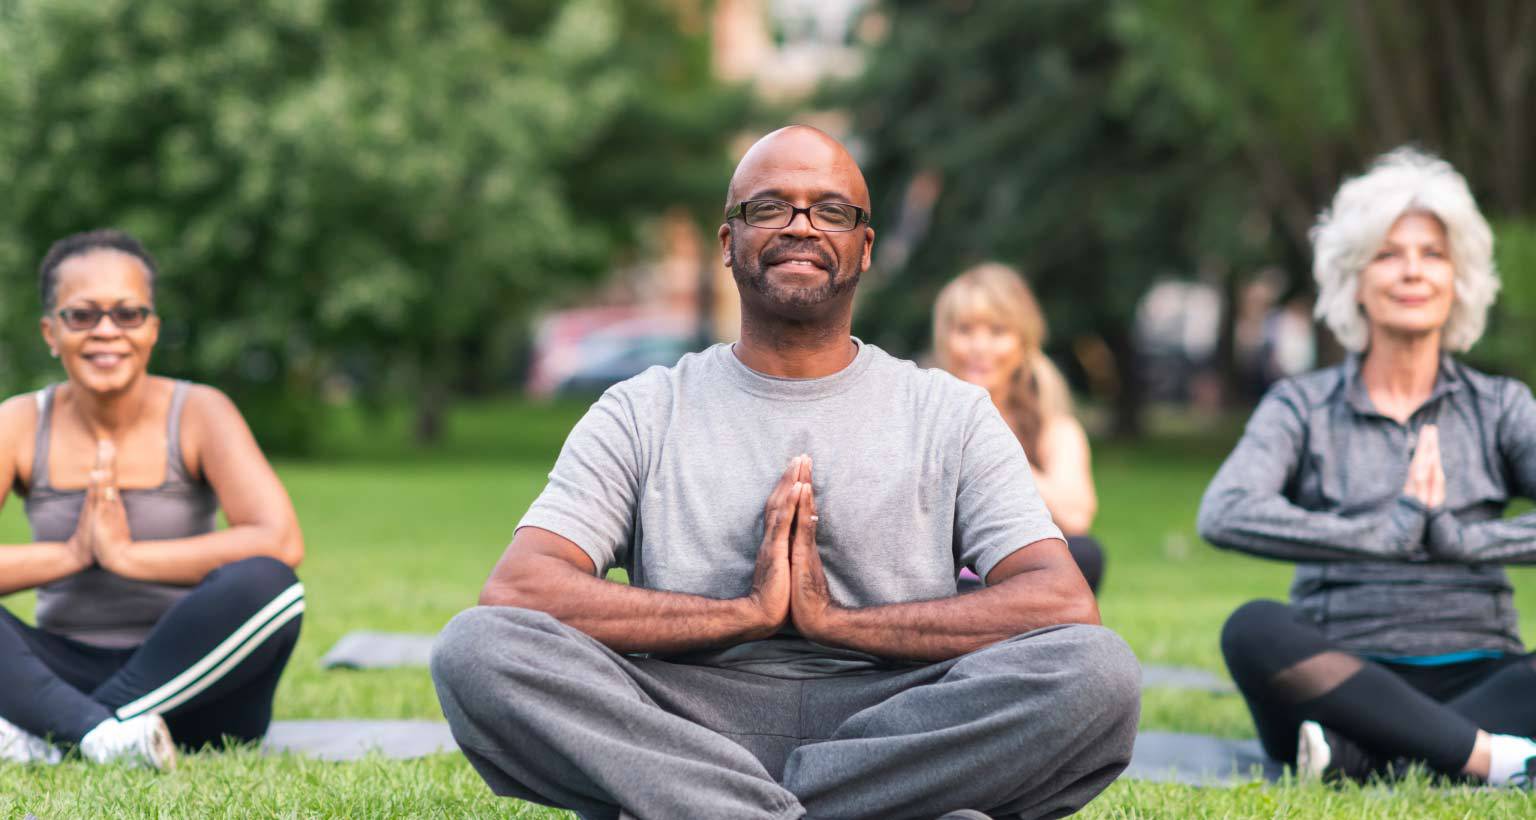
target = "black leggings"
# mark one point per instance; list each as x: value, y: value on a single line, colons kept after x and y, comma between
x: 210, y: 666
x: 1089, y: 555
x: 1085, y: 550
x: 1288, y: 672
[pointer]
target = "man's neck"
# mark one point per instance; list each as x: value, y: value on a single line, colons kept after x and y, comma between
x: 795, y: 350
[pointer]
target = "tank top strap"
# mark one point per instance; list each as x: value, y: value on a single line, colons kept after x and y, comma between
x: 175, y: 465
x: 44, y: 435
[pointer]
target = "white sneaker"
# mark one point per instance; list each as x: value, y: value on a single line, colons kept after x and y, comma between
x: 1312, y: 752
x: 19, y: 746
x: 144, y: 741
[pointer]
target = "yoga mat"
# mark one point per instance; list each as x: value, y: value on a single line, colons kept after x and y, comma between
x: 1164, y: 757
x: 1182, y: 677
x: 1199, y: 760
x: 354, y: 739
x: 379, y: 650
x: 386, y: 650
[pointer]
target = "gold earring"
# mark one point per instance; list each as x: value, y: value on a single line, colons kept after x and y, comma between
x: 54, y: 352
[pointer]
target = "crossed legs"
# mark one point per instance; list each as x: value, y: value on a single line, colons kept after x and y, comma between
x: 1289, y: 672
x: 210, y: 667
x: 1031, y: 727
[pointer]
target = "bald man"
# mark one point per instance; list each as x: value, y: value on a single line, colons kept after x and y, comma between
x: 792, y: 510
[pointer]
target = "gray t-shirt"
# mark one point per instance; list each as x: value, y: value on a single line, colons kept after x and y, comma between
x: 915, y: 474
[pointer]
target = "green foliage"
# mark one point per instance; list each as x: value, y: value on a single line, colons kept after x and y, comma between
x: 1055, y: 149
x: 1103, y: 144
x: 380, y: 191
x: 1506, y: 345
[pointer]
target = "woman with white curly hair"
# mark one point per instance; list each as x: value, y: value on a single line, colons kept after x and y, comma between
x: 1385, y: 480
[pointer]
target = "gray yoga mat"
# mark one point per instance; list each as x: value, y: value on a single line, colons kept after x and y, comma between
x: 385, y: 650
x: 354, y: 739
x: 1199, y: 760
x: 1165, y: 757
x: 1183, y: 677
x: 379, y: 650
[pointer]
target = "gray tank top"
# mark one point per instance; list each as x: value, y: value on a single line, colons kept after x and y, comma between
x: 94, y: 606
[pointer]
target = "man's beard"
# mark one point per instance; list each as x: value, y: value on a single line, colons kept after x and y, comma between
x: 751, y: 272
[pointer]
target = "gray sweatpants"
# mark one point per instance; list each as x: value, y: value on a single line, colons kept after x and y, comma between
x: 1035, y: 726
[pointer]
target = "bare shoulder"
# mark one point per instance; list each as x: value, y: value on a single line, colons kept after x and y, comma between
x: 1062, y: 442
x: 210, y: 422
x: 18, y: 428
x: 1063, y: 430
x: 18, y: 418
x: 208, y: 403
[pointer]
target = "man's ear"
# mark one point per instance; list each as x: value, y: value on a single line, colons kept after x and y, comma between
x: 725, y: 243
x: 869, y: 250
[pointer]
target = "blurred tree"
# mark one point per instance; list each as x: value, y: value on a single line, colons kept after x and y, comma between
x: 1102, y: 144
x: 1303, y: 94
x: 381, y: 191
x: 1014, y: 116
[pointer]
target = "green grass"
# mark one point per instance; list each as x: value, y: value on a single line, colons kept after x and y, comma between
x: 400, y: 539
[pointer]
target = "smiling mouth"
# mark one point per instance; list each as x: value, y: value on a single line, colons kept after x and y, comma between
x: 105, y: 360
x: 798, y: 264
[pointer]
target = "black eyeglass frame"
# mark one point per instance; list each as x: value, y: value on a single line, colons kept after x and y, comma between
x: 861, y: 216
x: 139, y: 315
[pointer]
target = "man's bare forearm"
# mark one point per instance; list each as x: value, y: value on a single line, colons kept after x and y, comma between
x: 946, y: 628
x: 625, y: 618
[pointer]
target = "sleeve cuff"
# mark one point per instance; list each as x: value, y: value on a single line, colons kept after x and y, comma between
x: 990, y: 558
x: 574, y: 531
x: 1409, y: 517
x: 1445, y: 534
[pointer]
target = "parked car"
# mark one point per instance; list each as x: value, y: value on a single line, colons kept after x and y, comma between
x: 586, y: 350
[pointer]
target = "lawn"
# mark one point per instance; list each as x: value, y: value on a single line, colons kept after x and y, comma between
x: 401, y: 540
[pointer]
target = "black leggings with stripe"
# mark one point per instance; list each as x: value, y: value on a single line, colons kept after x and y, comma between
x: 210, y: 666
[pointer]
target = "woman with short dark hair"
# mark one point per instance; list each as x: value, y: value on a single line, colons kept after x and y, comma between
x: 154, y: 628
x: 1385, y: 480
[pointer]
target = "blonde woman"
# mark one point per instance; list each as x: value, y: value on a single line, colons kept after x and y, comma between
x: 1384, y: 479
x: 988, y: 330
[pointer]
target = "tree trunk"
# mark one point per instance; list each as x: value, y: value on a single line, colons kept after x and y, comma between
x: 1131, y: 398
x: 431, y: 409
x: 436, y: 382
x: 1229, y: 372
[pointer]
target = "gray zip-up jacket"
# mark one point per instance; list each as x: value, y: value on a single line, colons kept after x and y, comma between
x: 1318, y: 479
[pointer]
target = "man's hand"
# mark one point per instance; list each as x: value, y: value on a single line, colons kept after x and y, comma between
x: 1426, y: 476
x: 770, y: 593
x: 109, y: 534
x: 810, y: 605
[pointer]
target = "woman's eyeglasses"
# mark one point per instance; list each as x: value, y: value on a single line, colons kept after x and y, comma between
x: 85, y: 318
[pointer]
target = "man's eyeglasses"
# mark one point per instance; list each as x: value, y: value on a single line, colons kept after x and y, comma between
x: 774, y: 213
x: 85, y: 318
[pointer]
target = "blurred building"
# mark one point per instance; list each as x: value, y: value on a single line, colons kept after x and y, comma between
x: 785, y: 48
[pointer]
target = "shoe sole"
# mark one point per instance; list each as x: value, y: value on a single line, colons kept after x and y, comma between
x: 1312, y: 753
x: 162, y: 749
